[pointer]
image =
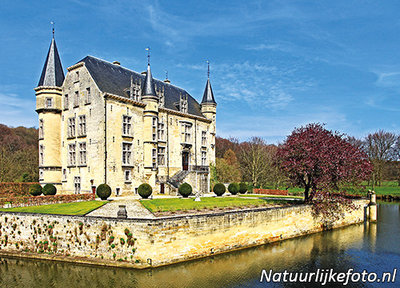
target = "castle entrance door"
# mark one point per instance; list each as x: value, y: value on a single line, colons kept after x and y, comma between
x: 185, y: 161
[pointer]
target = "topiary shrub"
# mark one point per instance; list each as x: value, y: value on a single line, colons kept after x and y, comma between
x: 145, y: 190
x: 185, y: 190
x: 35, y: 189
x: 242, y: 187
x: 219, y: 189
x: 49, y: 189
x: 103, y: 191
x: 233, y: 188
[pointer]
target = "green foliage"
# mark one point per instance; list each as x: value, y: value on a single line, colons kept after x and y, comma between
x: 145, y: 190
x: 49, y: 189
x: 233, y: 188
x: 35, y: 190
x: 213, y: 175
x: 185, y: 190
x: 219, y: 189
x: 242, y: 187
x: 26, y: 177
x: 18, y: 154
x: 103, y: 191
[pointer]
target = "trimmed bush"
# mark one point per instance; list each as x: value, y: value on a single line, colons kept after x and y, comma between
x: 103, y: 191
x: 145, y: 190
x: 185, y: 190
x: 242, y: 188
x: 219, y: 189
x: 233, y: 188
x: 35, y: 189
x: 49, y: 189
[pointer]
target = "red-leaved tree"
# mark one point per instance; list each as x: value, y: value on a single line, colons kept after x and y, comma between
x: 320, y: 160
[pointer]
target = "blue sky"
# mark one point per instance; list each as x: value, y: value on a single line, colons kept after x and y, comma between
x: 275, y: 65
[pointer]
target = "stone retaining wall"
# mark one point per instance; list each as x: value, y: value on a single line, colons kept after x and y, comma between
x: 144, y: 242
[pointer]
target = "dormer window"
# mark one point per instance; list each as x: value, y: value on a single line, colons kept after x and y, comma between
x: 183, y: 104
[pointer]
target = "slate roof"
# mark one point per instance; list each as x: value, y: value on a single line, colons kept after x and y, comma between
x: 208, y: 96
x: 52, y: 73
x: 115, y: 79
x: 148, y: 86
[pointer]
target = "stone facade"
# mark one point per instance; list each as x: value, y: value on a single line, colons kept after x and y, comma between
x: 89, y: 135
x: 154, y: 242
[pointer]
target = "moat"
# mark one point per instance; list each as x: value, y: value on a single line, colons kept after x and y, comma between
x: 374, y: 247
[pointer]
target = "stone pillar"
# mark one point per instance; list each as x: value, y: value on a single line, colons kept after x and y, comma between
x: 373, y: 211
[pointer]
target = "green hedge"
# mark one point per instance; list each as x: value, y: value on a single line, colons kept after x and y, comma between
x: 145, y: 190
x: 219, y: 189
x: 185, y: 190
x: 103, y: 191
x: 242, y: 188
x: 35, y: 190
x: 49, y: 189
x: 233, y: 188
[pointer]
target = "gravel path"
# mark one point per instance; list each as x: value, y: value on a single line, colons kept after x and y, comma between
x: 133, y: 208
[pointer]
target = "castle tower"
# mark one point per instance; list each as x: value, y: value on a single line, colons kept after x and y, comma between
x: 209, y: 110
x: 48, y: 107
x: 150, y: 123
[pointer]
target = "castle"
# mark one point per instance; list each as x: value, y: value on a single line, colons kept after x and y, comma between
x: 103, y: 123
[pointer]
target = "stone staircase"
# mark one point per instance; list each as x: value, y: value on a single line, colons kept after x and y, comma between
x: 176, y: 180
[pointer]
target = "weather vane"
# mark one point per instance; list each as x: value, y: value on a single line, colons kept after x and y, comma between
x: 148, y: 55
x: 166, y: 74
x: 208, y: 69
x: 52, y: 23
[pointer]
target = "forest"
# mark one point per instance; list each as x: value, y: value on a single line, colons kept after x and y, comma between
x: 253, y: 161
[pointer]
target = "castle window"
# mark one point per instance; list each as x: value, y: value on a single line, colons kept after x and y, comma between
x: 71, y: 127
x: 41, y: 154
x: 127, y: 176
x: 71, y: 155
x: 76, y: 76
x: 88, y: 96
x: 77, y: 184
x: 203, y: 138
x: 64, y: 175
x: 186, y: 132
x: 183, y: 103
x: 161, y: 130
x: 126, y: 125
x: 82, y: 153
x: 126, y: 153
x: 41, y: 129
x: 154, y: 128
x: 49, y: 102
x: 203, y: 158
x: 41, y: 174
x: 154, y: 158
x: 66, y: 103
x: 76, y: 99
x: 161, y: 156
x: 82, y: 125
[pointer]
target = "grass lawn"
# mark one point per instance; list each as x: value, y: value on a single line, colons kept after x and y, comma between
x: 74, y: 208
x: 270, y: 196
x: 177, y: 204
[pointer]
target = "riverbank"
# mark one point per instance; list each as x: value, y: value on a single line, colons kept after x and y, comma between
x: 143, y: 243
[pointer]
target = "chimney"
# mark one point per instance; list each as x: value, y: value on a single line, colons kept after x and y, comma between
x: 116, y: 63
x: 167, y: 81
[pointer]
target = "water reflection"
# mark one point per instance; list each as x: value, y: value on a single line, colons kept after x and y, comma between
x: 374, y: 247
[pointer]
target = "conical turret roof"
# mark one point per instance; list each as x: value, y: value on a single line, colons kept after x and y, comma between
x: 148, y: 86
x: 208, y: 96
x: 52, y: 73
